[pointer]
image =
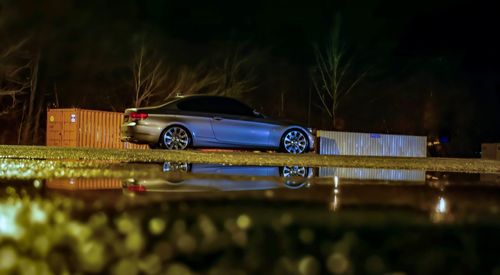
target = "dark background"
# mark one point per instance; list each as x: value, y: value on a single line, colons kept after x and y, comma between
x: 433, y: 66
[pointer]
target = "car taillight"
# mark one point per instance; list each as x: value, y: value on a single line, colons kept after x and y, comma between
x: 138, y: 116
x: 136, y: 188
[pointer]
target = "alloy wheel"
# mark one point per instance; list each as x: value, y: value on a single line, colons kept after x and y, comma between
x: 295, y: 142
x: 175, y: 167
x: 175, y: 138
x: 294, y: 171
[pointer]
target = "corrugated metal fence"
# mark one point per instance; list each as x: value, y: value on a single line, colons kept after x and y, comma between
x: 372, y: 174
x: 364, y: 144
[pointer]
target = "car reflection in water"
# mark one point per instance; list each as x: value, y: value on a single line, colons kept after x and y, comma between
x: 186, y: 177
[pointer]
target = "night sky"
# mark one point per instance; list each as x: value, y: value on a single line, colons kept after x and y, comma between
x: 433, y: 66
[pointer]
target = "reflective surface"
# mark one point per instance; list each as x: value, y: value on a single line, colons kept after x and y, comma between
x: 187, y: 218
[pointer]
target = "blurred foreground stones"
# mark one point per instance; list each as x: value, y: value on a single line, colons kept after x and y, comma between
x: 63, y: 235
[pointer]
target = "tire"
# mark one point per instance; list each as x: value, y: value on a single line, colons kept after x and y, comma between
x: 294, y: 141
x: 154, y: 146
x: 182, y: 167
x: 176, y: 171
x: 295, y: 176
x: 175, y: 138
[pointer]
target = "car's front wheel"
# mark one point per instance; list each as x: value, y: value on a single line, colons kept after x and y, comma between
x: 295, y: 142
x: 175, y: 138
x: 295, y: 176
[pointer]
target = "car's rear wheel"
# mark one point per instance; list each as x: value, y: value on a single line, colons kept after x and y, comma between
x: 295, y: 142
x: 175, y: 138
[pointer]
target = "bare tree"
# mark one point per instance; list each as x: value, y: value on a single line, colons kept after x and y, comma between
x: 155, y: 81
x: 31, y: 119
x: 199, y: 79
x: 149, y: 74
x: 19, y: 70
x: 13, y: 81
x: 333, y: 77
x: 234, y: 77
x: 237, y: 74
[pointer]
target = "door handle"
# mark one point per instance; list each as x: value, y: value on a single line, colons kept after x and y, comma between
x: 217, y: 118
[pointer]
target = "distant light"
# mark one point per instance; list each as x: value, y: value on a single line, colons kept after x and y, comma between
x: 444, y: 139
x: 441, y: 207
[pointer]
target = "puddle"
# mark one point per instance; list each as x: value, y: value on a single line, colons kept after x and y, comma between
x: 185, y: 218
x: 440, y: 196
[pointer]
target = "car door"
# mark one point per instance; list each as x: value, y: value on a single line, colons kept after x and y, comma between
x: 235, y: 123
x: 195, y: 114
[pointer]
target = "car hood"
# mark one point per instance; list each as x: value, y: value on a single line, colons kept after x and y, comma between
x: 282, y: 122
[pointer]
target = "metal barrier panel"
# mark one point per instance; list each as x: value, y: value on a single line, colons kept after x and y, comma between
x: 364, y: 144
x: 373, y: 174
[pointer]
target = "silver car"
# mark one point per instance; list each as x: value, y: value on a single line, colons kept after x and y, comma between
x: 212, y: 121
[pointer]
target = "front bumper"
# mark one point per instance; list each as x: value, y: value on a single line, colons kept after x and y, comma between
x: 312, y: 142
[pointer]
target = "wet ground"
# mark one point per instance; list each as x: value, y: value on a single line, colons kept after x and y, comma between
x: 61, y: 216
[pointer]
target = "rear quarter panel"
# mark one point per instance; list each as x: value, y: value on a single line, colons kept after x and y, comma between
x: 198, y: 126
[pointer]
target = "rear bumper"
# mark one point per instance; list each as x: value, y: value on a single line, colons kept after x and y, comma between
x: 135, y: 133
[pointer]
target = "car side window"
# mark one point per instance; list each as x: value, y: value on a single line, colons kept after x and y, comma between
x: 233, y: 107
x: 196, y: 105
x: 218, y: 105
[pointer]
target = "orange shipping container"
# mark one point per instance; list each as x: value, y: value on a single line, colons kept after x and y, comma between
x: 83, y: 184
x: 490, y: 151
x: 86, y: 128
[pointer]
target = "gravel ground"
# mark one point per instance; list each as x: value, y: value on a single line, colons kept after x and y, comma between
x: 57, y: 154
